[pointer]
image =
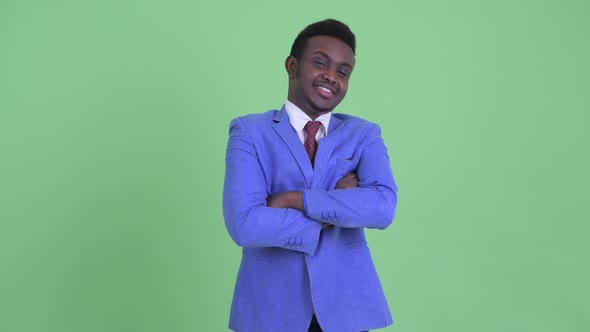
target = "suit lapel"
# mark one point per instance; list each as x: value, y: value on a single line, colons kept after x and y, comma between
x: 283, y: 128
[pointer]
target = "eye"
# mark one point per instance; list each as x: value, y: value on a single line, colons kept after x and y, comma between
x: 320, y: 63
x: 343, y: 73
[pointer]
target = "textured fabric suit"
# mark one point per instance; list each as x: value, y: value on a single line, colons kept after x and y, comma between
x: 290, y: 267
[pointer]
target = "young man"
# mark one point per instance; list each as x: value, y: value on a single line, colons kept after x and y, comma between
x: 301, y: 185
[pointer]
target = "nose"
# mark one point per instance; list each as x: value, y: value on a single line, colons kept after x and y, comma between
x: 330, y: 75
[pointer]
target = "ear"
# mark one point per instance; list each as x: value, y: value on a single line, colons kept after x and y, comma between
x: 291, y: 66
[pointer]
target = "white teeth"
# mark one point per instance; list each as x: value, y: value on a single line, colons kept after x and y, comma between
x: 324, y: 89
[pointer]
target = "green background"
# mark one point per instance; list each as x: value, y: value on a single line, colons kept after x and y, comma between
x: 113, y: 125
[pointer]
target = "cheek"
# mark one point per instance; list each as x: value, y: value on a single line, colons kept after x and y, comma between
x: 343, y: 88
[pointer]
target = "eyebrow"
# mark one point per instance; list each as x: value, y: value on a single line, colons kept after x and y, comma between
x: 327, y: 56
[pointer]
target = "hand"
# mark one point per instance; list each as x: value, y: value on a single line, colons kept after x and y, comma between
x: 348, y: 181
x: 286, y: 199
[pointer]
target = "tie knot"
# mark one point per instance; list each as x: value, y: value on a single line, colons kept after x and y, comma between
x: 311, y: 128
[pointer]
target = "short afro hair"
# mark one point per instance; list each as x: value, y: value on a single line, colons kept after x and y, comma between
x: 328, y: 27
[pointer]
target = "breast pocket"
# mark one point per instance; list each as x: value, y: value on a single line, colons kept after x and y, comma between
x: 345, y: 165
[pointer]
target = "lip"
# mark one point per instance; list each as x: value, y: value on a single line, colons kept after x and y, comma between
x: 326, y: 90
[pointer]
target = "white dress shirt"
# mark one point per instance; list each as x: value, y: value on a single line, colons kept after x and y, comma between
x: 299, y: 119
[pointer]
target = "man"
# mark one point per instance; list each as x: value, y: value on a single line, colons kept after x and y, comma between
x: 298, y: 196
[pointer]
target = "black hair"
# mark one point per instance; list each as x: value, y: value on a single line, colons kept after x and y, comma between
x: 328, y: 27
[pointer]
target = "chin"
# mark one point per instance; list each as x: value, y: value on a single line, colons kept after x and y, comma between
x: 322, y: 108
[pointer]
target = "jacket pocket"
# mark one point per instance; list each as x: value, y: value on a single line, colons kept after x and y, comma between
x: 354, y: 245
x: 259, y: 252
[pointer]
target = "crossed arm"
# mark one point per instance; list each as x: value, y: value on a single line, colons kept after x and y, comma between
x: 254, y: 219
x: 294, y: 199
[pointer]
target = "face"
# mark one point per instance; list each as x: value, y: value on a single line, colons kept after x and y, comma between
x: 319, y: 80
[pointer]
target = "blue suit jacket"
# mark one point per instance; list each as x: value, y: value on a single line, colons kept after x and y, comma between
x: 290, y: 267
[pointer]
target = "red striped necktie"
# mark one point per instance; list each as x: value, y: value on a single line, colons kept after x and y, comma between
x: 311, y: 145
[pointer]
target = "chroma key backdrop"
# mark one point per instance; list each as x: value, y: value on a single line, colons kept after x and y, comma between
x: 114, y: 119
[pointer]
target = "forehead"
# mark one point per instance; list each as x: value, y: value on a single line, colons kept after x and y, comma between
x: 337, y: 50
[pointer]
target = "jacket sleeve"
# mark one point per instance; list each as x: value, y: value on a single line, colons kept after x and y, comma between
x: 248, y: 219
x: 370, y: 205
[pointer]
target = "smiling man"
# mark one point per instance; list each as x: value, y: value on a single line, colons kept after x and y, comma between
x: 301, y: 185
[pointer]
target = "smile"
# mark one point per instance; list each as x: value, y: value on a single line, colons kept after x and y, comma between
x: 326, y: 92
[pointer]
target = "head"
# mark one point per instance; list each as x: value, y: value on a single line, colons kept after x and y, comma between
x: 320, y: 65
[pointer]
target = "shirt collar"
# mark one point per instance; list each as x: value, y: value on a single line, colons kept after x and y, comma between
x: 299, y: 119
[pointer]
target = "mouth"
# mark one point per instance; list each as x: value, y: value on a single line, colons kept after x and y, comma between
x: 326, y: 91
